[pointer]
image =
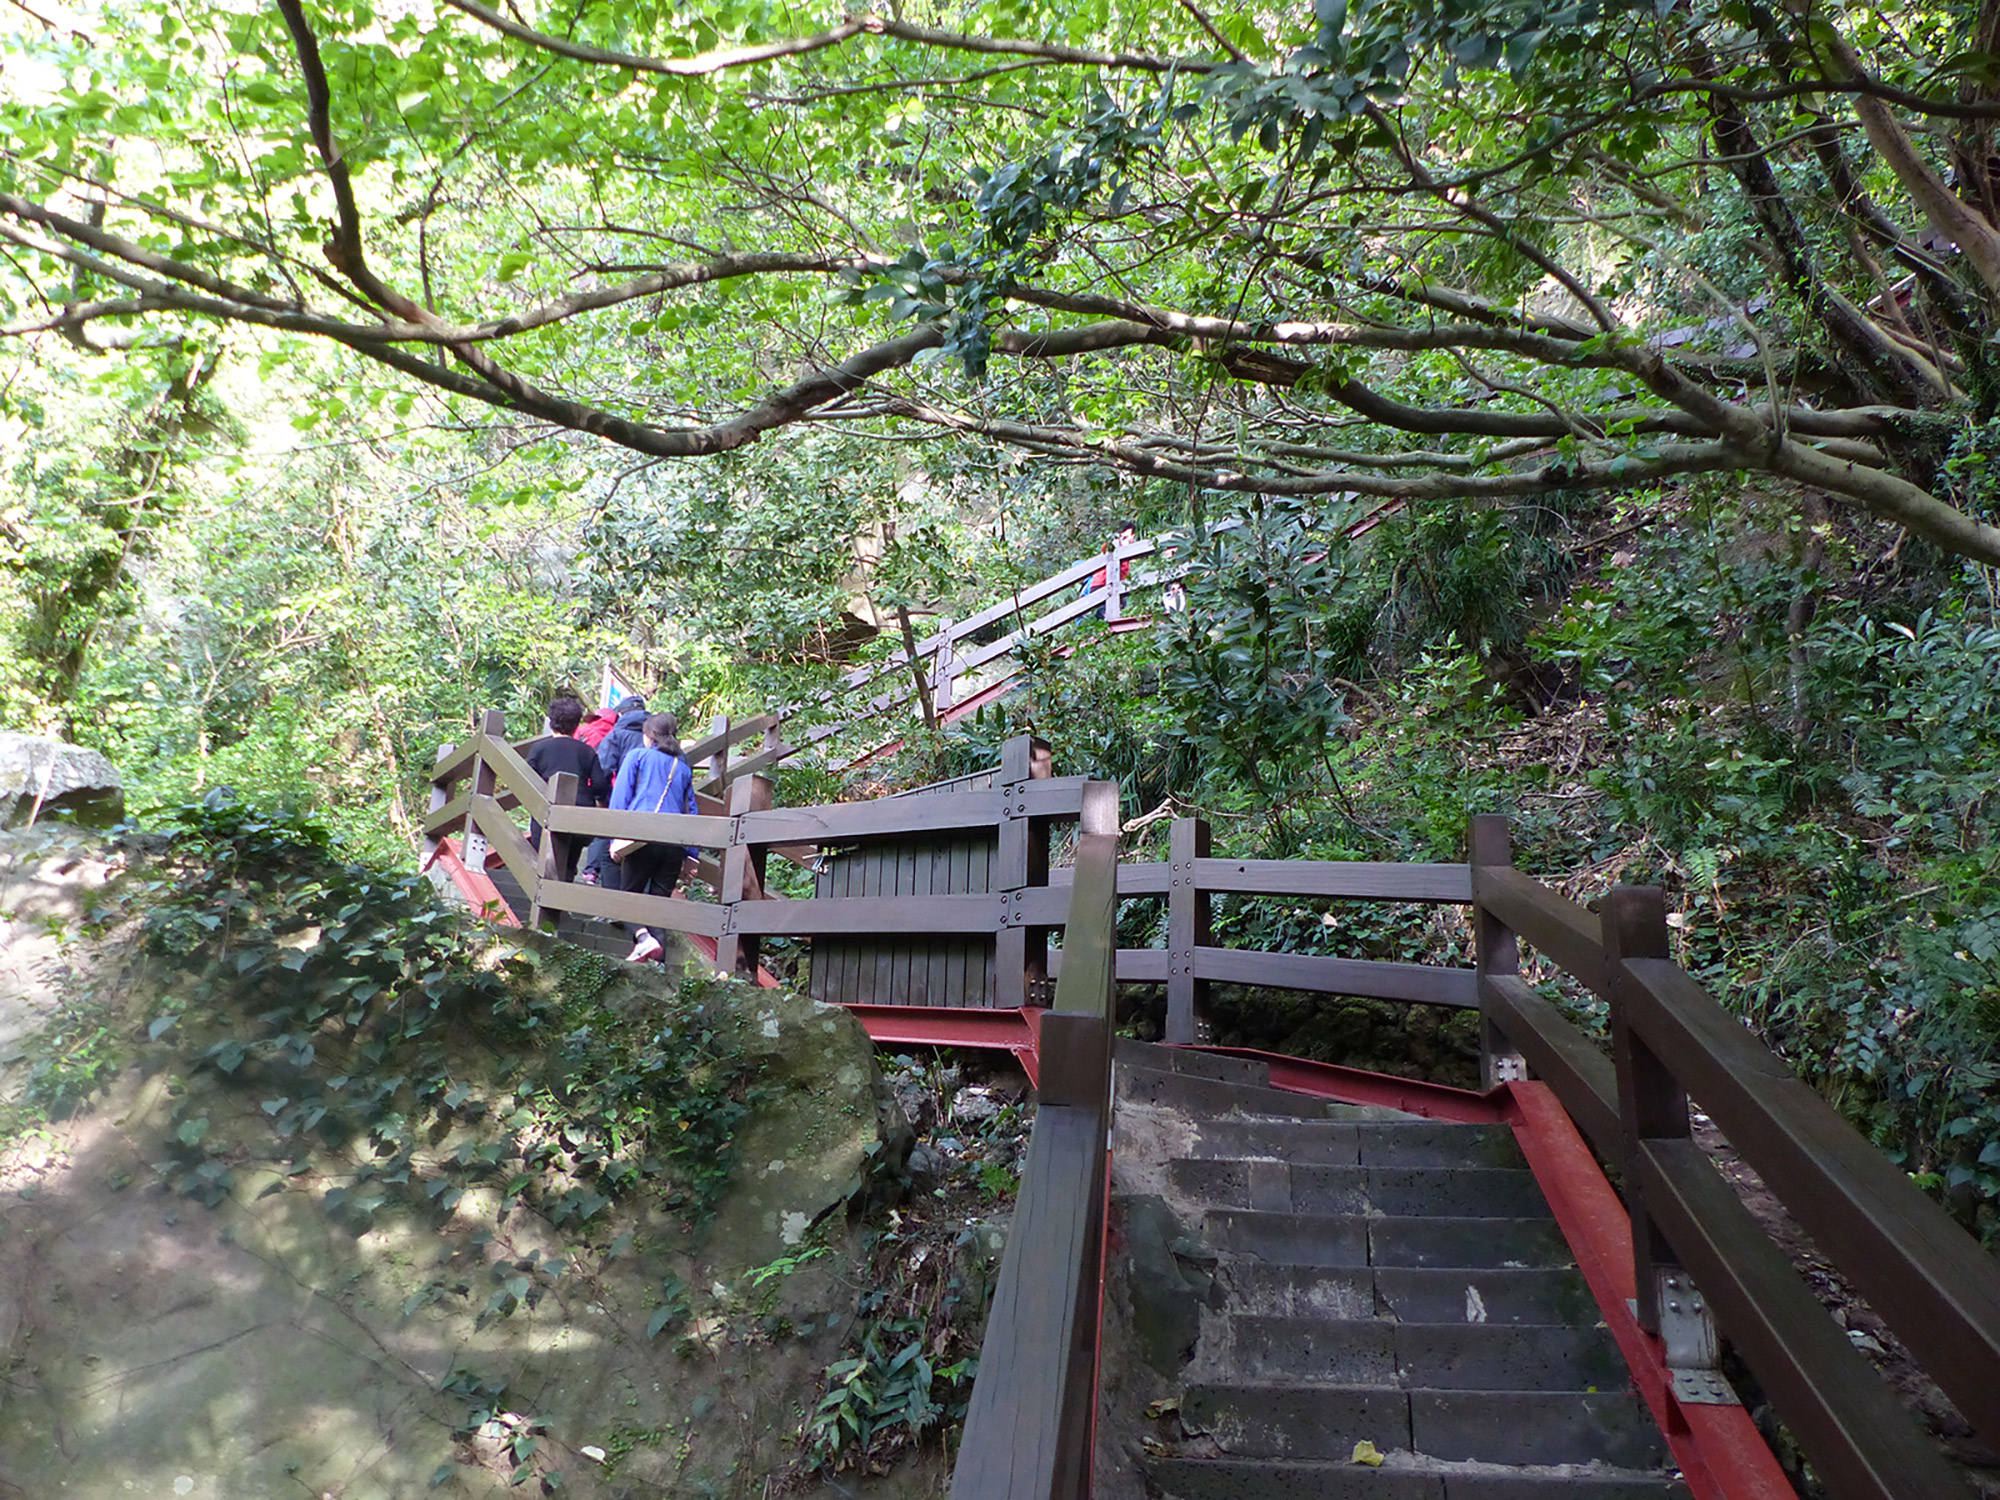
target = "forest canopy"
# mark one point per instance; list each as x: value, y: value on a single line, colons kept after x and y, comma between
x: 1408, y: 252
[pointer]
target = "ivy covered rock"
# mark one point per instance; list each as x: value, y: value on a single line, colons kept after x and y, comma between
x: 359, y: 1197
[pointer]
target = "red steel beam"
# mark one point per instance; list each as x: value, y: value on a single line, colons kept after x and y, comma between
x: 479, y: 891
x: 1434, y: 1101
x: 1015, y: 1031
x: 1721, y: 1454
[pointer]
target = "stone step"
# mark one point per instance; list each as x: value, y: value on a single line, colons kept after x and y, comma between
x: 1490, y: 1294
x: 1278, y: 1186
x: 1353, y: 1240
x: 1193, y: 1064
x: 1256, y: 1288
x: 1487, y: 1295
x: 1252, y: 1479
x: 1192, y: 1094
x: 1254, y: 1420
x: 1328, y: 1140
x: 1433, y: 1356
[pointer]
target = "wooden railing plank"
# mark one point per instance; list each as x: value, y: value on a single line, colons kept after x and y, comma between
x: 701, y: 830
x: 1015, y: 1424
x: 737, y: 732
x: 1357, y: 879
x: 632, y: 906
x: 1420, y: 984
x: 449, y: 818
x: 979, y: 913
x: 508, y: 842
x: 863, y: 820
x: 1864, y: 1445
x: 1574, y: 1067
x: 1929, y: 1279
x: 515, y: 775
x: 1568, y: 934
x: 454, y: 763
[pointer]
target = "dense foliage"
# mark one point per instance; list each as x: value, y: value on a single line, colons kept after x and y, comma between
x: 1586, y: 247
x: 1584, y: 412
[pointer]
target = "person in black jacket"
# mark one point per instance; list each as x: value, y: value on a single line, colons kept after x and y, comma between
x: 628, y: 735
x: 558, y: 752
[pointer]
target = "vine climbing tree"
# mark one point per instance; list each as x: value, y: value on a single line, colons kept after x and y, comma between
x: 1409, y: 250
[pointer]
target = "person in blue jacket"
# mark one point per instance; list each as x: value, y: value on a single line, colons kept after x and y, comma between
x: 625, y: 736
x: 653, y: 778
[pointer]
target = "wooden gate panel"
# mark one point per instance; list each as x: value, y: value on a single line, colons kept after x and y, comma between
x: 906, y: 969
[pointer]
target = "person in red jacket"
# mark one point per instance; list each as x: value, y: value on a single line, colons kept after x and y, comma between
x: 597, y: 726
x: 1127, y: 534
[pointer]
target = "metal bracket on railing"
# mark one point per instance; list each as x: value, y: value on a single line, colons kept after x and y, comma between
x: 1506, y: 1067
x: 1690, y: 1344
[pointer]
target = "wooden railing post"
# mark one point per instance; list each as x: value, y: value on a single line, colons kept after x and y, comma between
x: 1496, y: 949
x: 439, y: 796
x: 1652, y: 1105
x: 1188, y: 928
x: 492, y: 725
x: 1021, y: 860
x: 718, y: 763
x: 944, y: 669
x: 742, y: 876
x: 552, y: 861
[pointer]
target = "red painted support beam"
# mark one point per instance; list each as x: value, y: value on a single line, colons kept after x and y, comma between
x: 1721, y: 1454
x: 1015, y: 1031
x: 480, y: 892
x: 1434, y: 1101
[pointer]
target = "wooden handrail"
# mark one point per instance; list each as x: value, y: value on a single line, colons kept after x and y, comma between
x: 1028, y: 1428
x: 1566, y: 933
x: 1928, y: 1279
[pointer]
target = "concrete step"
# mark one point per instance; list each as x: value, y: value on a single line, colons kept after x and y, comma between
x: 1433, y: 1356
x: 1273, y: 1421
x: 1192, y: 1094
x: 1457, y: 1244
x: 1258, y: 1420
x: 1277, y: 1186
x: 1353, y: 1240
x: 1193, y: 1064
x: 1537, y: 1427
x: 1256, y: 1288
x: 1490, y: 1295
x: 1253, y: 1479
x: 1330, y: 1141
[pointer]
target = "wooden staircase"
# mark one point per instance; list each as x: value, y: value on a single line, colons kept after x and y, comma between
x: 1291, y: 1278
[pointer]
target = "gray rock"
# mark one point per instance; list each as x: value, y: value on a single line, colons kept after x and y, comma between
x: 926, y: 1166
x: 71, y: 783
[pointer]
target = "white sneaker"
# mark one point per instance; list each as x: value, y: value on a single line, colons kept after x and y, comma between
x: 648, y: 947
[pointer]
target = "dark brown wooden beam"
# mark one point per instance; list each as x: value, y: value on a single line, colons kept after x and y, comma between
x: 697, y: 829
x: 1928, y: 1278
x: 634, y: 907
x: 1357, y: 880
x: 1560, y: 1054
x: 1420, y: 984
x: 1863, y: 1443
x: 1554, y: 925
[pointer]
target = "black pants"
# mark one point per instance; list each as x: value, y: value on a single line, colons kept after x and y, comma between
x: 651, y: 870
